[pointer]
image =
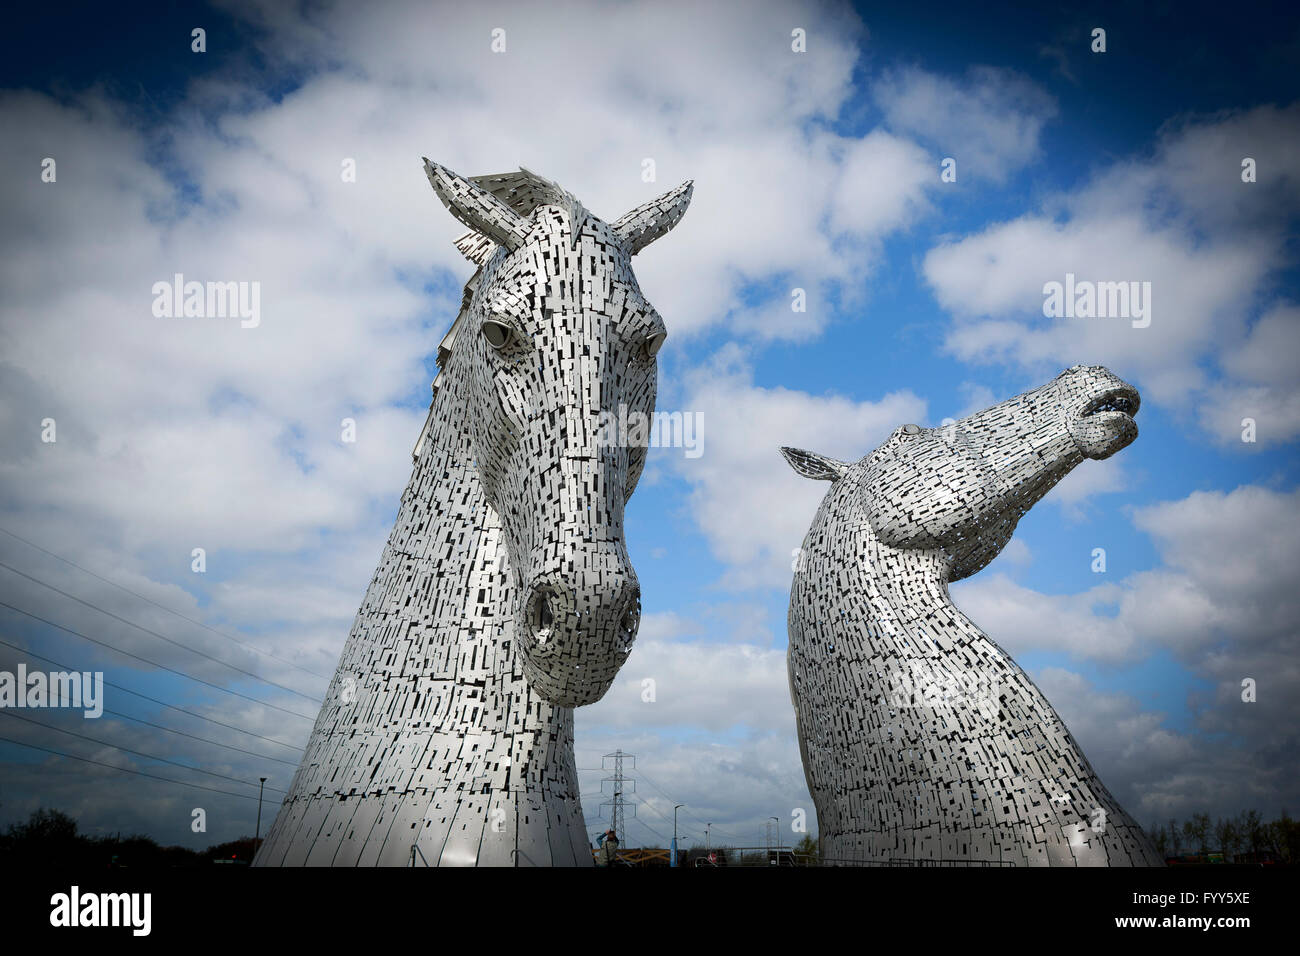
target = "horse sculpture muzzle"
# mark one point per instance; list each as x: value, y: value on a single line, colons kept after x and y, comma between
x: 576, y: 631
x: 1100, y: 418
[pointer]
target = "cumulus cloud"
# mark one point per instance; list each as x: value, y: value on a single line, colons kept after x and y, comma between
x: 1181, y: 219
x: 705, y: 686
x: 754, y: 515
x: 358, y: 279
x: 735, y: 783
x: 1192, y: 602
x: 1088, y: 480
x: 1260, y: 385
x: 990, y: 121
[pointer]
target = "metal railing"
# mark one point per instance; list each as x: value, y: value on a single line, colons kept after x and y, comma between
x: 901, y: 861
x: 415, y: 848
x: 785, y: 856
x: 748, y: 856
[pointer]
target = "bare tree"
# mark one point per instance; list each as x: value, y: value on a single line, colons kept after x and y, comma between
x: 1225, y: 834
x: 1253, y: 829
x: 1160, y: 838
x: 1197, y: 832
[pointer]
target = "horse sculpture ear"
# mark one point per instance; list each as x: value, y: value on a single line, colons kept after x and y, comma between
x: 812, y: 465
x: 477, y: 208
x: 644, y: 224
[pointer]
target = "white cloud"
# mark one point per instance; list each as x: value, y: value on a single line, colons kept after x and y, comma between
x: 1182, y: 220
x: 167, y: 413
x: 705, y: 686
x: 1195, y: 601
x: 1090, y: 478
x: 1013, y: 615
x: 976, y: 397
x: 1016, y: 553
x: 1263, y: 369
x: 735, y: 783
x: 752, y: 508
x: 990, y: 121
x: 882, y: 185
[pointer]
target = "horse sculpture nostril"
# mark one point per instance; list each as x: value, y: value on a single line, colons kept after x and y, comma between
x: 574, y: 638
x: 540, y: 617
x: 628, y: 624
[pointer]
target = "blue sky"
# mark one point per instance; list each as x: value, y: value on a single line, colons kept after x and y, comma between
x: 818, y: 171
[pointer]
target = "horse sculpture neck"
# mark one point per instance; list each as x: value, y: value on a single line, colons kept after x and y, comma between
x: 430, y: 675
x: 923, y: 741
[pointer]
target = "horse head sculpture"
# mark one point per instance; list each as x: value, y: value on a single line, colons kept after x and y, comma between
x: 961, y: 488
x: 557, y: 332
x: 922, y: 740
x: 504, y: 596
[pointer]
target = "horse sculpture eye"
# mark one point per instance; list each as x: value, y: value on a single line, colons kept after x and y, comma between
x: 496, y: 333
x: 654, y: 343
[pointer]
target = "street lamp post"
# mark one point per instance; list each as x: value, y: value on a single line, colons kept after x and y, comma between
x: 257, y: 834
x: 673, y: 860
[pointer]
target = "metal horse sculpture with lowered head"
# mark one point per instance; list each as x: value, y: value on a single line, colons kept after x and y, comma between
x: 922, y: 740
x: 504, y: 596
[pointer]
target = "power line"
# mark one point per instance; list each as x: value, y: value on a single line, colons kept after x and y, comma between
x: 146, y: 660
x: 155, y: 700
x: 640, y: 821
x: 215, y: 743
x: 138, y: 753
x: 619, y: 817
x: 163, y: 607
x: 161, y: 637
x: 651, y: 829
x: 138, y: 773
x: 181, y: 733
x: 641, y: 775
x: 661, y: 815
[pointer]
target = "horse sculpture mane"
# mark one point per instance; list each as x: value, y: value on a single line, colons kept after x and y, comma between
x: 523, y: 192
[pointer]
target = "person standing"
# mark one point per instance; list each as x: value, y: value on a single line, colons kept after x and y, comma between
x: 607, y: 854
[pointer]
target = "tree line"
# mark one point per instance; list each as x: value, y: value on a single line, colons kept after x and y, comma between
x: 50, y: 838
x: 1245, y: 838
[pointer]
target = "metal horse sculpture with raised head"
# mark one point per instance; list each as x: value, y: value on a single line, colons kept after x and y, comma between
x: 504, y: 596
x: 922, y: 740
